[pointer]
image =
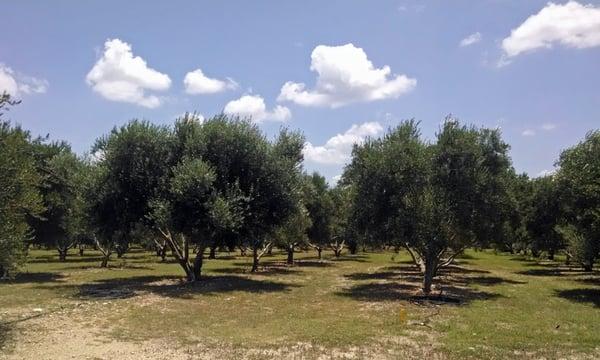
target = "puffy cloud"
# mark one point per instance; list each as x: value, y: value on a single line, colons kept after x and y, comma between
x: 197, y: 83
x: 345, y: 75
x: 548, y: 126
x: 337, y: 150
x: 471, y: 39
x: 571, y: 25
x: 253, y: 106
x: 120, y: 76
x: 528, y: 132
x: 7, y: 81
x: 16, y: 84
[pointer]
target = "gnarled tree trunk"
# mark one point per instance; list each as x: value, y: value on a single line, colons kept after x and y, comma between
x: 337, y: 248
x: 181, y: 252
x: 258, y: 253
x: 290, y: 254
x: 106, y: 252
x: 213, y: 252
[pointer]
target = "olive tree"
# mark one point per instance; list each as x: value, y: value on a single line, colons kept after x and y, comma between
x: 228, y: 184
x: 340, y: 229
x: 293, y: 232
x: 60, y: 224
x: 544, y: 216
x: 132, y: 165
x: 195, y: 211
x: 19, y: 195
x: 434, y: 199
x: 318, y: 202
x: 264, y: 173
x: 578, y: 174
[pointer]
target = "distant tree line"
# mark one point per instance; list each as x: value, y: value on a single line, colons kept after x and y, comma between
x: 199, y: 187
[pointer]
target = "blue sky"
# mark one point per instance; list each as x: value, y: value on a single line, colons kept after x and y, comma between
x: 530, y: 67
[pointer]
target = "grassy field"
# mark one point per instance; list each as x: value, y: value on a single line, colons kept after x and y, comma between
x: 363, y: 306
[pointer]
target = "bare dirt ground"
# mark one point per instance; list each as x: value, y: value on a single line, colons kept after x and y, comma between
x: 61, y: 335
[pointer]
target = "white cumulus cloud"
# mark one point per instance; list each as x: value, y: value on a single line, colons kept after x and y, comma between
x: 471, y: 39
x: 571, y: 24
x: 337, y: 150
x: 548, y: 126
x: 528, y: 132
x: 120, y: 76
x: 253, y: 107
x: 197, y: 83
x: 16, y: 84
x: 345, y: 75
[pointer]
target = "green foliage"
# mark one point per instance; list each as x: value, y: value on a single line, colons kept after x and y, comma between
x: 318, y: 202
x: 19, y: 196
x: 578, y: 180
x: 433, y: 199
x: 544, y: 216
x: 132, y: 170
x: 61, y: 224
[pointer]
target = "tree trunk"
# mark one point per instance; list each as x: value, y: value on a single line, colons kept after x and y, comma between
x: 81, y: 249
x: 551, y: 255
x: 270, y: 251
x: 429, y: 274
x: 242, y: 251
x: 588, y: 265
x: 290, y: 255
x: 197, y: 269
x: 337, y: 252
x: 213, y: 252
x: 319, y: 250
x: 62, y: 255
x: 161, y: 251
x: 254, y: 259
x: 121, y: 250
x: 104, y: 262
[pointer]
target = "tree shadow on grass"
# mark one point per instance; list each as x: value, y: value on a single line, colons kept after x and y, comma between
x: 116, y: 266
x: 411, y: 292
x: 557, y: 271
x: 404, y: 283
x: 313, y: 263
x: 587, y: 295
x: 355, y: 258
x: 590, y: 280
x: 34, y: 277
x: 380, y: 275
x: 223, y: 257
x: 69, y: 259
x: 492, y: 280
x: 173, y: 287
x: 267, y: 270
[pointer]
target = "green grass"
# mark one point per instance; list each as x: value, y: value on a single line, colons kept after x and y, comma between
x: 496, y: 306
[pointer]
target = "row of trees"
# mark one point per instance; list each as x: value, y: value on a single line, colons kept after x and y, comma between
x: 187, y: 188
x: 196, y: 187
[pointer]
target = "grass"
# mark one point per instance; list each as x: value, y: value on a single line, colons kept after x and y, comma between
x: 490, y: 306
